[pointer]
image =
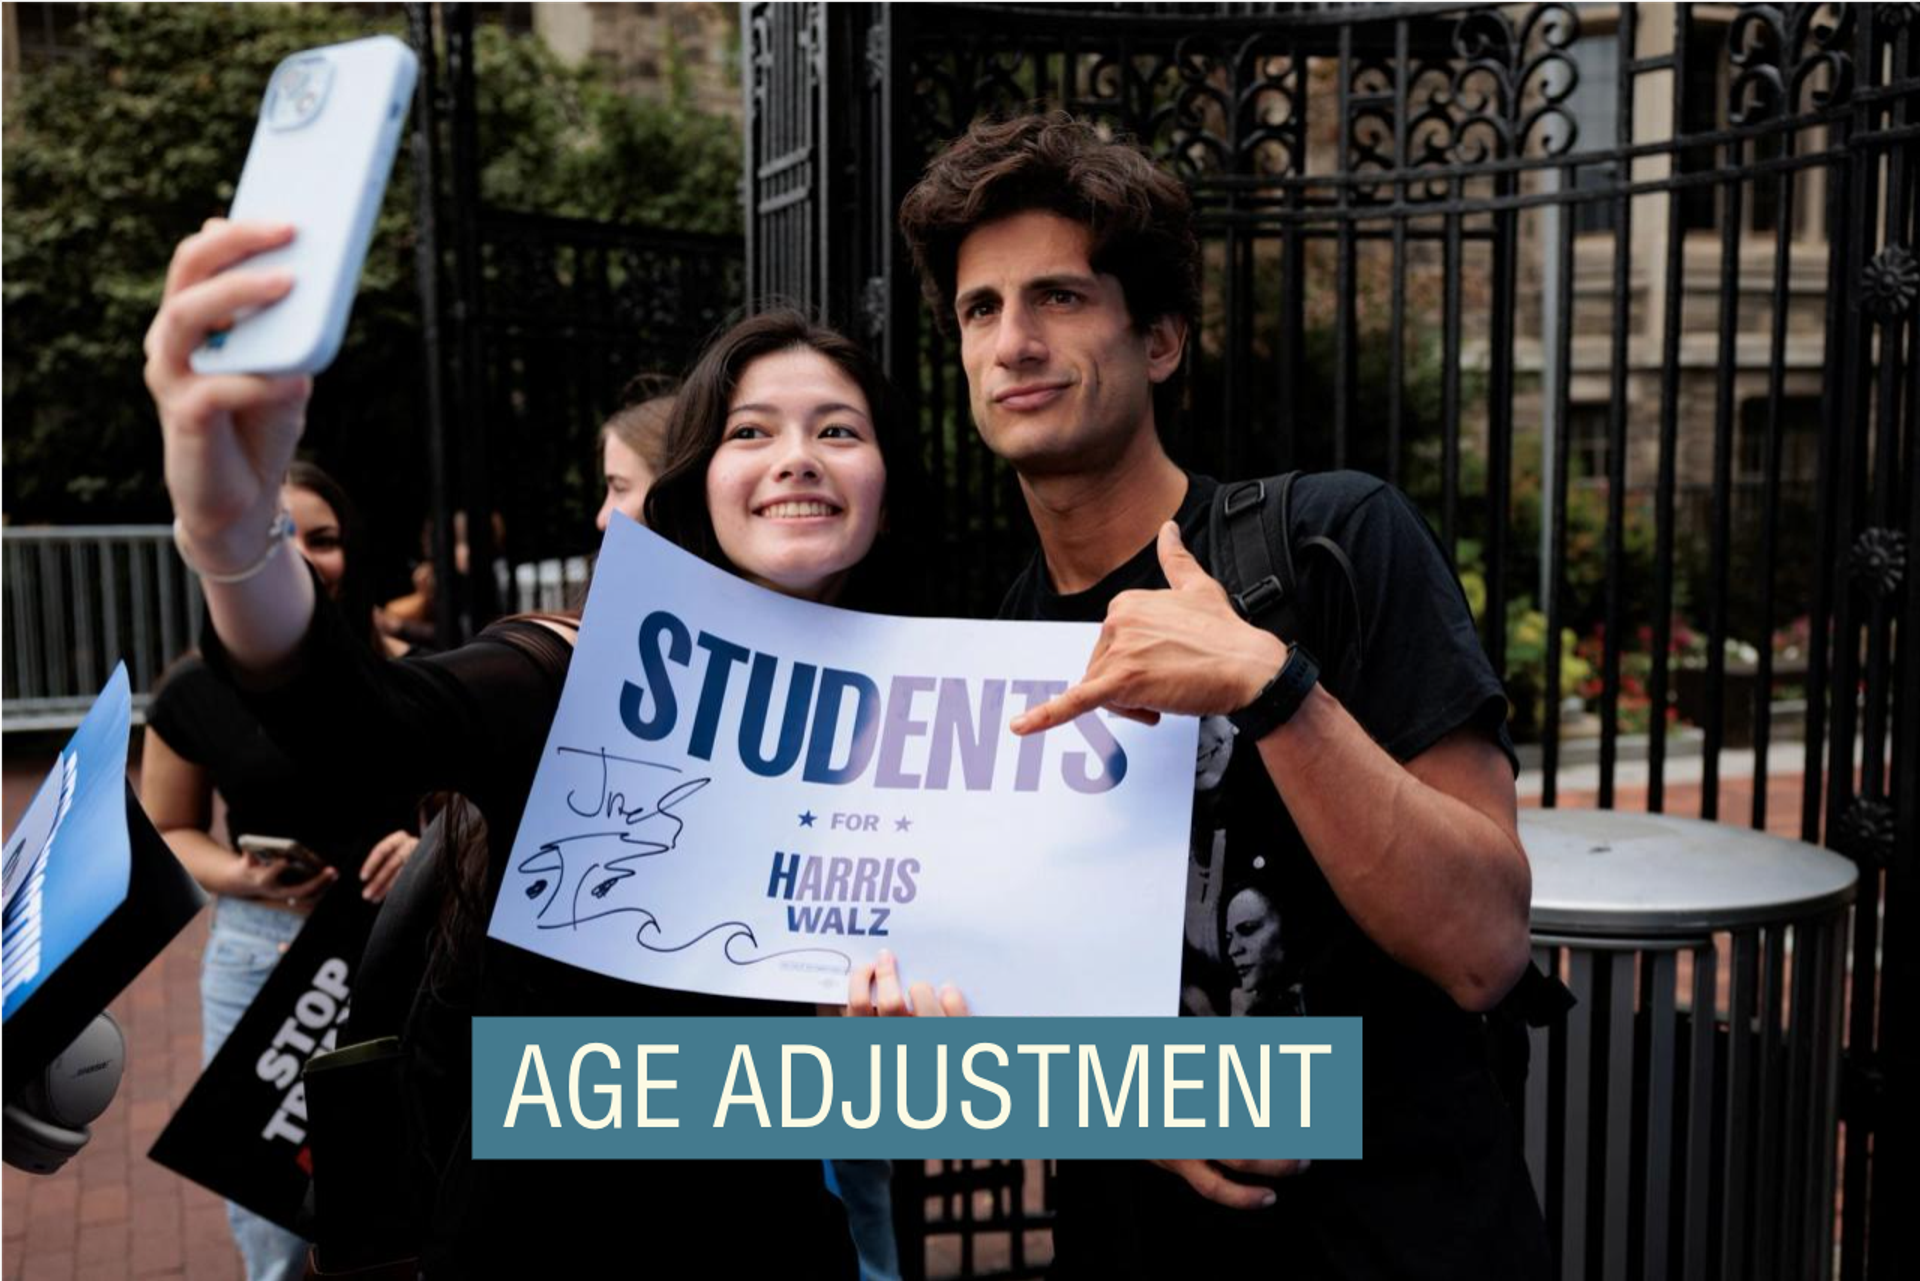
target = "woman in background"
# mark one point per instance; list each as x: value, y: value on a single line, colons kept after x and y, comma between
x: 201, y: 740
x: 633, y: 446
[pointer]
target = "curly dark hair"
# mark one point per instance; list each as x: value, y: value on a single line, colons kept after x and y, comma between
x: 1139, y: 217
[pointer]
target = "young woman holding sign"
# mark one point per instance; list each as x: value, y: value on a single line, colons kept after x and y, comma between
x: 777, y: 469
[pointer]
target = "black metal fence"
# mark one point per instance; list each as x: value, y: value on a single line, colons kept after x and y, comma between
x: 533, y: 324
x: 1624, y: 295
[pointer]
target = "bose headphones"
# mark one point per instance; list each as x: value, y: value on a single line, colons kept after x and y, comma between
x: 46, y: 1123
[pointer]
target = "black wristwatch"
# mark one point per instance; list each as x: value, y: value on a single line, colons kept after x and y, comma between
x: 1275, y: 705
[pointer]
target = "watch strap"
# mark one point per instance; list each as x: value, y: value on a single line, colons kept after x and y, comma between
x: 1275, y: 705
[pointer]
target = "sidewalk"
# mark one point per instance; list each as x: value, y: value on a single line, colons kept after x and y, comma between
x: 1683, y: 796
x: 1579, y: 786
x: 111, y: 1212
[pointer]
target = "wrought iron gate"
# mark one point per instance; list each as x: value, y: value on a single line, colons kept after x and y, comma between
x: 532, y: 325
x: 1624, y: 295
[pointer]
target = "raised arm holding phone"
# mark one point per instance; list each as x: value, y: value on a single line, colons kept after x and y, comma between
x: 779, y: 461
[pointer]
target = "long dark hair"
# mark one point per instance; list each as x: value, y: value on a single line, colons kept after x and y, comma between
x: 886, y: 580
x: 356, y: 592
x: 676, y: 507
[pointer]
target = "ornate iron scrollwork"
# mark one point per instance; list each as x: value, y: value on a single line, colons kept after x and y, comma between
x: 1777, y: 52
x: 1502, y: 95
x: 1189, y: 129
x: 1894, y: 18
x: 1866, y: 831
x: 1370, y: 141
x: 1889, y: 283
x: 1878, y: 561
x: 1270, y: 103
x: 1511, y: 81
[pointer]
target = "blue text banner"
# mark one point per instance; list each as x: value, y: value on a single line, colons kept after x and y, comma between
x: 724, y: 1088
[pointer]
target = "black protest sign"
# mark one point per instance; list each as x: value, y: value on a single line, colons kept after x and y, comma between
x: 242, y: 1131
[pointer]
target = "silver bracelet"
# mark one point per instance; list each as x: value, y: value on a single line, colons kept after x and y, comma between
x: 278, y: 532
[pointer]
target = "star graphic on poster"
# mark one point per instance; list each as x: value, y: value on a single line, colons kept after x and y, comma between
x: 806, y: 819
x: 902, y: 824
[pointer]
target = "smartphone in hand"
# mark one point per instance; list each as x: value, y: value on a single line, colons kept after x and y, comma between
x: 329, y: 126
x: 300, y: 863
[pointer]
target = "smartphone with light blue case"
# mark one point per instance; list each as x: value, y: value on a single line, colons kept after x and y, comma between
x: 329, y: 125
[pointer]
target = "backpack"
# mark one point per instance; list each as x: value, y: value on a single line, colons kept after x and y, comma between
x: 391, y: 996
x: 1248, y: 521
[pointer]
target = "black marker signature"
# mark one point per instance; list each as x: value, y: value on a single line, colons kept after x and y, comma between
x: 606, y: 859
x: 610, y: 802
x: 738, y: 930
x: 651, y: 828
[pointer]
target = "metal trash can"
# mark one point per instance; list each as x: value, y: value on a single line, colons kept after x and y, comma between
x: 1664, y: 1145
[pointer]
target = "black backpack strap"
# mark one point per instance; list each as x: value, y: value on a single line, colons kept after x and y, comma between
x: 1248, y: 521
x: 536, y: 638
x: 1539, y: 1000
x: 1354, y: 652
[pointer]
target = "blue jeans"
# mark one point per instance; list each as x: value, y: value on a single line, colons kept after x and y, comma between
x: 866, y: 1189
x: 242, y: 950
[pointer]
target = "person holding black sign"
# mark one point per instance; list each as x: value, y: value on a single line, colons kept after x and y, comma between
x: 201, y: 739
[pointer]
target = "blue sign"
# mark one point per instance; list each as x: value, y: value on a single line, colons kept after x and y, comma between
x: 68, y: 859
x: 92, y: 892
x: 749, y: 795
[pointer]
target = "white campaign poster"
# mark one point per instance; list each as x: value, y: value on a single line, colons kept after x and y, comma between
x: 747, y: 795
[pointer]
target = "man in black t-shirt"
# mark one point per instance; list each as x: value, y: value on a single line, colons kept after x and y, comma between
x: 1354, y: 847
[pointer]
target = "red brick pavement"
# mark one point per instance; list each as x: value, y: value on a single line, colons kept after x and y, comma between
x: 1736, y: 802
x: 113, y: 1213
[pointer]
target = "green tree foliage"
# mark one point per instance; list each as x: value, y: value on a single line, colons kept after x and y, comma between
x: 111, y: 158
x: 566, y: 142
x: 115, y: 155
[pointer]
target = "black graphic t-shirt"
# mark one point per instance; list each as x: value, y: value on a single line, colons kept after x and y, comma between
x: 1442, y: 1191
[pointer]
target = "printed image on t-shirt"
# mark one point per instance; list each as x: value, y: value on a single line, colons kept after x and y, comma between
x: 1235, y: 959
x: 1203, y: 958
